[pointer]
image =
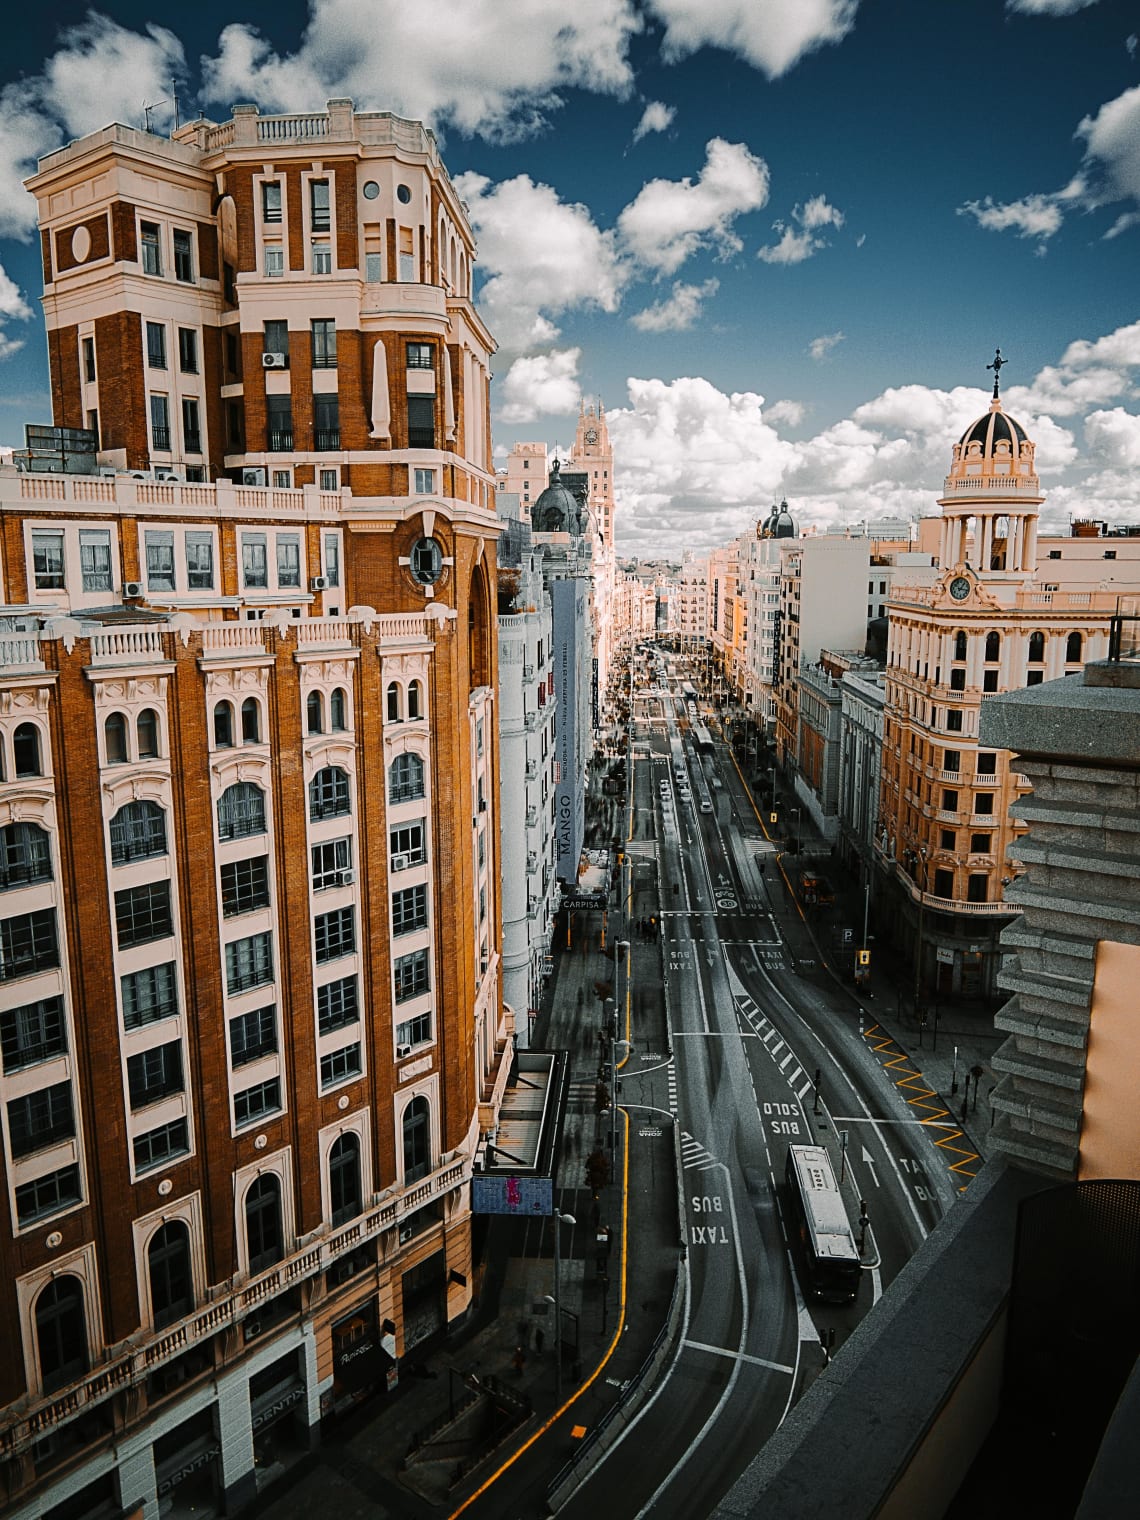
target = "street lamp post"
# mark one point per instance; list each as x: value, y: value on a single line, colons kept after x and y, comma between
x: 798, y: 815
x: 559, y: 1219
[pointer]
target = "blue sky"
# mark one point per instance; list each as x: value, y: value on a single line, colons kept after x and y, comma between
x: 778, y: 238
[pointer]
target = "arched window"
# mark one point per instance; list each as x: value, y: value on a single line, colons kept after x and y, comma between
x: 478, y: 632
x: 328, y: 794
x: 415, y: 700
x: 115, y: 739
x: 147, y: 729
x: 263, y: 1232
x: 315, y: 712
x: 26, y: 750
x: 223, y: 725
x: 241, y: 811
x: 993, y: 647
x: 417, y: 1140
x: 405, y: 778
x: 138, y: 830
x: 394, y: 704
x: 25, y: 855
x: 1073, y: 645
x: 346, y: 1196
x: 1036, y: 648
x: 250, y: 721
x: 959, y: 645
x: 61, y: 1332
x: 337, y: 709
x: 171, y: 1279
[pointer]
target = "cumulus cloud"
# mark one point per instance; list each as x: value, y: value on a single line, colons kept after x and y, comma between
x: 799, y: 243
x: 1114, y: 438
x: 771, y: 37
x: 539, y: 385
x: 1112, y: 145
x: 820, y: 347
x: 539, y: 256
x: 669, y: 220
x: 489, y: 66
x: 1033, y: 216
x: 791, y: 412
x: 657, y: 117
x: 1088, y: 374
x: 678, y: 311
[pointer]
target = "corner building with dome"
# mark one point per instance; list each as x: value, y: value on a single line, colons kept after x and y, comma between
x: 1005, y: 609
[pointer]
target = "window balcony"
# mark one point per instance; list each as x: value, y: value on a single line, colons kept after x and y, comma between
x: 160, y: 439
x: 193, y: 443
x: 280, y: 440
x: 325, y: 439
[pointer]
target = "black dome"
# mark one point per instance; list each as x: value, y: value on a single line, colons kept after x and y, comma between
x: 994, y: 427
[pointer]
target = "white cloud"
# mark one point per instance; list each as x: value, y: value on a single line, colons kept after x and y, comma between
x: 539, y: 385
x: 1122, y: 223
x: 657, y: 117
x: 1033, y: 216
x: 796, y: 246
x: 487, y: 66
x: 772, y: 36
x: 1047, y: 7
x: 1114, y: 437
x: 678, y: 311
x: 1112, y: 144
x: 539, y: 256
x: 669, y: 220
x: 791, y: 412
x: 820, y: 347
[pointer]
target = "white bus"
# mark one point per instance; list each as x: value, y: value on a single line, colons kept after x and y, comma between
x: 828, y: 1257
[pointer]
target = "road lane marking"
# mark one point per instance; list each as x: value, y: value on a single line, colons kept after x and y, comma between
x: 919, y: 1096
x: 738, y: 1356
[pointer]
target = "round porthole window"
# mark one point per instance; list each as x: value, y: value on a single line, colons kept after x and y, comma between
x: 426, y: 562
x: 371, y: 190
x: 403, y: 194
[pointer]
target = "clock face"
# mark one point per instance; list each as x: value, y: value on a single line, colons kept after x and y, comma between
x: 959, y: 588
x: 591, y: 435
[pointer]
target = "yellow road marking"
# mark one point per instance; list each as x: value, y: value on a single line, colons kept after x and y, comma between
x: 923, y: 1097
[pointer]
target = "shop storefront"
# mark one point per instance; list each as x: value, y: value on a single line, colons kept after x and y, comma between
x: 187, y: 1468
x: 360, y: 1364
x: 425, y: 1300
x: 278, y: 1418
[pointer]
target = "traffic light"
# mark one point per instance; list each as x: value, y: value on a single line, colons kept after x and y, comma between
x: 862, y: 957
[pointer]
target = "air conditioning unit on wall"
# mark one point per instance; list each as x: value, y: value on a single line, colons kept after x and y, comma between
x: 273, y: 361
x: 319, y: 583
x: 132, y: 588
x: 399, y: 862
x: 402, y: 1052
x: 253, y: 477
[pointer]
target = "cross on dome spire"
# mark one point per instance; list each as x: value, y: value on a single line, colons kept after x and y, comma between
x: 996, y: 367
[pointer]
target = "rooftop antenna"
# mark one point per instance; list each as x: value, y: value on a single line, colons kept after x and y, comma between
x: 174, y: 101
x: 147, y: 109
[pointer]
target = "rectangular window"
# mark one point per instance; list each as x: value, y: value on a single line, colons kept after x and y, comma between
x: 340, y: 1064
x: 32, y: 1033
x: 245, y: 885
x: 235, y: 429
x: 47, y: 1195
x: 88, y: 346
x: 256, y: 1102
x: 324, y: 343
x: 275, y: 338
x: 47, y: 560
x: 989, y: 680
x: 332, y: 558
x: 421, y: 422
x: 95, y: 559
x: 954, y: 720
x: 330, y: 861
x: 149, y: 995
x: 326, y: 422
x: 271, y: 200
x: 183, y: 256
x: 274, y: 261
x: 279, y: 422
x: 334, y: 934
x: 987, y: 765
x: 949, y: 801
x: 288, y: 559
x: 409, y: 910
x: 160, y: 1145
x: 28, y: 944
x: 322, y: 257
x: 406, y: 258
x: 249, y: 962
x: 337, y: 1005
x: 191, y: 425
x: 415, y: 1031
x: 980, y: 844
x: 254, y: 564
x: 154, y: 1074
x: 151, y: 248
x: 159, y: 424
x: 200, y: 561
x: 143, y: 914
x: 329, y: 480
x: 373, y: 268
x: 253, y: 1035
x: 420, y: 355
x: 319, y: 215
x: 39, y: 1119
x: 282, y: 480
x: 947, y: 839
x: 155, y: 345
x: 958, y: 680
x: 159, y: 561
x: 984, y: 802
x: 424, y: 481
x: 1034, y: 678
x: 411, y: 975
x: 977, y: 889
x: 944, y: 884
x: 407, y: 844
x: 952, y: 760
x: 188, y: 350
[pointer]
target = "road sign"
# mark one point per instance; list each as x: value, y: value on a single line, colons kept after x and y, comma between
x: 862, y: 957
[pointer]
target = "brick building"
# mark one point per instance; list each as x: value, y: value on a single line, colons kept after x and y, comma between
x: 251, y: 1021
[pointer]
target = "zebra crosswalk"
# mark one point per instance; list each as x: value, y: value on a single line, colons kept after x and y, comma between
x: 797, y: 1079
x: 694, y: 1156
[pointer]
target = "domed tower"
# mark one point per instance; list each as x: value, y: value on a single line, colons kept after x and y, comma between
x: 778, y: 524
x: 557, y: 510
x: 993, y: 489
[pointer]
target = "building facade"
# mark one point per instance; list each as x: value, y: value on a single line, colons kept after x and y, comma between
x: 253, y: 1025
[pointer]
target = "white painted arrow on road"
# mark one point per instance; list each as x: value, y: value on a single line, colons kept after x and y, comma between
x: 869, y: 1162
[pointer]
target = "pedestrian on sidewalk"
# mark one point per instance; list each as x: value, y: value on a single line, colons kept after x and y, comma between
x: 518, y: 1361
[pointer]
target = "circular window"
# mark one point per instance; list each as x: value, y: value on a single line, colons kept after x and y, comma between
x: 80, y: 244
x: 371, y: 190
x: 403, y: 194
x: 426, y: 562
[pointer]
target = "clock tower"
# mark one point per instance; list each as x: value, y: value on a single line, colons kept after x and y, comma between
x: 593, y: 456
